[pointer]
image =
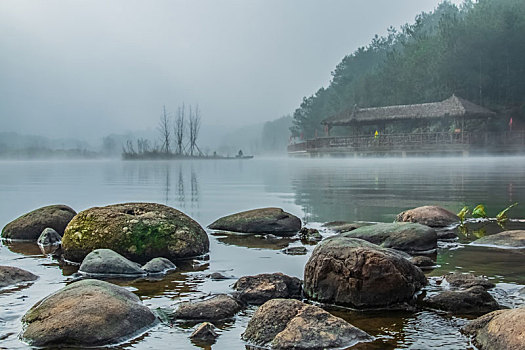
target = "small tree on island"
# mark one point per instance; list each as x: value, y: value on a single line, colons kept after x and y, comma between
x: 164, y: 130
x: 179, y: 129
x: 195, y: 124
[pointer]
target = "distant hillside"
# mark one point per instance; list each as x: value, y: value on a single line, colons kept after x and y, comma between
x: 476, y: 51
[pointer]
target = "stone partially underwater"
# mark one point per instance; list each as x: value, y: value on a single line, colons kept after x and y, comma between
x: 260, y: 221
x: 138, y: 231
x: 86, y: 313
x: 429, y: 215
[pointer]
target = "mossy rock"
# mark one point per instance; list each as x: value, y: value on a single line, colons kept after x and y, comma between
x: 29, y: 226
x: 138, y: 231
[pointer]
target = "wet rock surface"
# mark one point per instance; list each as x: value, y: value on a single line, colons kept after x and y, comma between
x: 295, y: 251
x: 473, y: 300
x: 49, y: 237
x: 352, y: 272
x: 408, y: 237
x: 204, y: 332
x: 258, y: 289
x: 310, y: 235
x: 260, y: 221
x: 107, y: 262
x: 29, y: 226
x: 218, y: 307
x: 291, y: 324
x: 86, y: 313
x: 423, y: 262
x: 159, y: 265
x: 138, y: 231
x: 502, y: 329
x: 467, y: 280
x: 428, y: 215
x: 505, y: 239
x: 10, y: 275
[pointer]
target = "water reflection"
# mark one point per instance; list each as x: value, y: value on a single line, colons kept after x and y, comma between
x: 255, y: 241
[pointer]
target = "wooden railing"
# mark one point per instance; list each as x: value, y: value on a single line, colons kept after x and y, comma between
x: 411, y: 141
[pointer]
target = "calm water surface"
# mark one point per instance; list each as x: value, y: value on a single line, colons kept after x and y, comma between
x: 318, y: 191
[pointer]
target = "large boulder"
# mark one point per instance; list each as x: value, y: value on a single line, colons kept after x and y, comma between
x: 215, y: 308
x: 505, y: 239
x: 502, y: 329
x: 474, y: 300
x: 258, y: 289
x: 10, y: 275
x: 29, y: 226
x: 405, y: 236
x: 291, y: 324
x: 260, y: 221
x: 104, y: 262
x: 352, y: 272
x: 138, y: 231
x: 429, y: 215
x: 86, y: 313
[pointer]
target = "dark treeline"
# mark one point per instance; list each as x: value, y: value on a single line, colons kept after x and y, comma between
x: 476, y: 50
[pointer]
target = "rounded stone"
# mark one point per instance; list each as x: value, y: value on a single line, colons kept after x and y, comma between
x: 49, y: 237
x: 10, y: 275
x: 429, y: 215
x: 102, y: 262
x: 29, y: 226
x: 217, y: 307
x: 138, y: 231
x: 505, y: 239
x: 86, y: 313
x: 260, y: 221
x: 159, y: 265
x: 352, y: 272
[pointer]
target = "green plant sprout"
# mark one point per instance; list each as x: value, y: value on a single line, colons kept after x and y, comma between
x: 463, y: 214
x: 479, y: 212
x: 502, y: 216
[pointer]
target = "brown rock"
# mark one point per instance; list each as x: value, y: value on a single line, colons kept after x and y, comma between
x: 474, y: 300
x: 261, y: 288
x: 502, y: 329
x: 204, y: 332
x: 467, y: 280
x: 29, y: 226
x: 291, y: 324
x: 216, y: 308
x: 10, y: 275
x: 86, y: 313
x: 352, y: 272
x: 505, y: 239
x: 429, y: 215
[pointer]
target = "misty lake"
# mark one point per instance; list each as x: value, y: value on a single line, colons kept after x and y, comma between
x: 316, y: 190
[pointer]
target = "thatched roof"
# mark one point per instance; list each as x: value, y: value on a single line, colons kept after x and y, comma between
x: 451, y: 107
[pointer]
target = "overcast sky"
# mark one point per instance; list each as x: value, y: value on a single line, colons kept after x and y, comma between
x: 89, y: 68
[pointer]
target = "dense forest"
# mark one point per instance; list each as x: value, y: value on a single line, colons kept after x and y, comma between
x: 476, y: 50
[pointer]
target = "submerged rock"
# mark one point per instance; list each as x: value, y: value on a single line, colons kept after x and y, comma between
x: 218, y: 307
x: 108, y: 262
x: 429, y: 215
x: 260, y: 288
x: 159, y: 265
x: 405, y: 236
x: 291, y: 324
x: 474, y: 300
x: 10, y: 275
x: 260, y: 221
x: 423, y: 262
x: 86, y: 313
x: 138, y: 231
x: 343, y: 226
x: 502, y: 329
x: 353, y: 272
x: 29, y: 226
x: 49, y: 237
x: 310, y: 235
x: 467, y: 280
x: 204, y: 332
x: 505, y: 239
x: 295, y: 251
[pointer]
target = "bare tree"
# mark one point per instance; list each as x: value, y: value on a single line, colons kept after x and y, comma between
x: 164, y: 130
x: 179, y: 129
x: 195, y: 124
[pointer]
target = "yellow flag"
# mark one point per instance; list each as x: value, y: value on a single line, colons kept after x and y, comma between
x: 376, y: 135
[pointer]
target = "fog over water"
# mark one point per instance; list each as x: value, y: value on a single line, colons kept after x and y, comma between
x: 84, y: 69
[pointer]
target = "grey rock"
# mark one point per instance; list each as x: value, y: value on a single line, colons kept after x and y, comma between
x: 310, y: 235
x: 423, y: 262
x: 49, y: 237
x: 159, y: 265
x: 204, y: 332
x: 29, y: 226
x: 107, y: 262
x: 406, y: 236
x: 217, y: 307
x: 467, y: 280
x: 295, y: 251
x: 291, y: 324
x: 218, y: 276
x: 260, y: 221
x: 86, y: 313
x: 10, y: 275
x: 258, y: 289
x: 505, y: 239
x: 474, y: 300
